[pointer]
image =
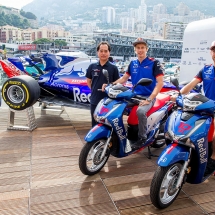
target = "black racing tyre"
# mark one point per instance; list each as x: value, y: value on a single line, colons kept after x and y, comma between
x: 163, y: 190
x: 20, y: 92
x: 89, y: 159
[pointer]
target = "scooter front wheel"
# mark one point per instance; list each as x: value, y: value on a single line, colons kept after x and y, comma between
x: 90, y: 161
x: 163, y: 189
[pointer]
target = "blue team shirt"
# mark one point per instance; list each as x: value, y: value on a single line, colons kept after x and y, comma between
x: 148, y: 68
x: 94, y: 72
x: 207, y: 76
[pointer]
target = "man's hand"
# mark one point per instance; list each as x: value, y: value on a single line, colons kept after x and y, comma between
x: 173, y: 97
x: 103, y: 87
x: 144, y: 102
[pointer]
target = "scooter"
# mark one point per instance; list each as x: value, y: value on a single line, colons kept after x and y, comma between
x: 188, y: 132
x: 111, y: 137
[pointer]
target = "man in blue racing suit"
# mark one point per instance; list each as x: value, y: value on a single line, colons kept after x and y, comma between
x: 143, y: 67
x: 207, y: 76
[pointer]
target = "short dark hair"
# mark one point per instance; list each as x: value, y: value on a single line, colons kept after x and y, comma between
x: 103, y: 43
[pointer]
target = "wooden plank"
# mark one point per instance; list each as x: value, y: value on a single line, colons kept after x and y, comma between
x: 150, y: 209
x: 89, y: 209
x: 17, y: 194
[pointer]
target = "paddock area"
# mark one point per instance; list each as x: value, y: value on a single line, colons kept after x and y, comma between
x: 39, y: 173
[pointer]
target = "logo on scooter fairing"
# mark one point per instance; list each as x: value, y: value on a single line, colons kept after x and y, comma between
x: 202, y: 150
x: 183, y: 127
x: 119, y: 129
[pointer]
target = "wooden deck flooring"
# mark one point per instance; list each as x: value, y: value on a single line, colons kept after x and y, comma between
x: 39, y: 173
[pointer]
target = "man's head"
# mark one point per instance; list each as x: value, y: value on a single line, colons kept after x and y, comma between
x: 212, y: 46
x: 140, y: 48
x: 103, y: 51
x: 140, y: 40
x: 212, y: 52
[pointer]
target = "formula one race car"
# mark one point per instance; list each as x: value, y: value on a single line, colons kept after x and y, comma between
x: 56, y: 84
x: 62, y: 82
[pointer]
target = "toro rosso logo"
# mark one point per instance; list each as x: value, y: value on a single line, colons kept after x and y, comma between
x: 183, y: 127
x: 104, y: 110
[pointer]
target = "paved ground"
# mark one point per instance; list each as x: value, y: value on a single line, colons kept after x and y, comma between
x: 39, y: 173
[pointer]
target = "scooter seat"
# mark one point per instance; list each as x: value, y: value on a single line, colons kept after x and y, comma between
x: 161, y: 100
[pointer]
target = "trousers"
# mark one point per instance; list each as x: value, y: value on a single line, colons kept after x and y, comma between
x: 142, y: 118
x: 92, y: 109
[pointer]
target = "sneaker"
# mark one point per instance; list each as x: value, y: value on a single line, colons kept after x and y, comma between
x: 138, y: 144
x: 210, y: 168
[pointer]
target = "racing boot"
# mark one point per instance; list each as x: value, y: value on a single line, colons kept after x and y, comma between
x: 210, y: 168
x: 138, y: 144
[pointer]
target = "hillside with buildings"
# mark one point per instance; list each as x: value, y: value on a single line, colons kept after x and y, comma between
x: 56, y: 9
x: 17, y: 18
x: 82, y: 31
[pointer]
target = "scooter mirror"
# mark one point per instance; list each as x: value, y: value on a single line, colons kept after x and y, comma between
x: 143, y: 82
x: 174, y: 81
x: 105, y: 73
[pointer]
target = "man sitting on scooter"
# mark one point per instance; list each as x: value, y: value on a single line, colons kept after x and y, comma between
x: 205, y: 75
x: 143, y: 67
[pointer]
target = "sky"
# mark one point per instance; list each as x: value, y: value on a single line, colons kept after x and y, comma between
x: 15, y: 3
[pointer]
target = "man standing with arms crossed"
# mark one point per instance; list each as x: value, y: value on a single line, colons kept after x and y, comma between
x: 96, y: 78
x: 207, y: 76
x: 143, y: 67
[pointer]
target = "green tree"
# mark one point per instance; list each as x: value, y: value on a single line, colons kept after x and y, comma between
x: 42, y: 41
x: 60, y: 43
x: 13, y: 20
x: 28, y: 15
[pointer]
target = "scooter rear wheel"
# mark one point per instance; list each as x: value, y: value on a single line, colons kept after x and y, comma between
x: 89, y: 159
x: 163, y: 189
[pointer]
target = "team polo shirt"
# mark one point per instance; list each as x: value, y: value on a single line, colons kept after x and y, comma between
x: 148, y: 68
x: 207, y: 76
x: 94, y: 72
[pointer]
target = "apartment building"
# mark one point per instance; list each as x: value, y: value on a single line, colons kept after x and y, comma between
x: 174, y: 31
x: 10, y: 34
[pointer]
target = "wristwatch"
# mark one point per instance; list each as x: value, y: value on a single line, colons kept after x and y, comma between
x: 148, y: 100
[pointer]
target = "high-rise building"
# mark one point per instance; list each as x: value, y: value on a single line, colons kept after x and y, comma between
x: 142, y: 12
x: 182, y: 9
x: 133, y: 13
x: 159, y: 9
x: 128, y: 24
x: 109, y: 15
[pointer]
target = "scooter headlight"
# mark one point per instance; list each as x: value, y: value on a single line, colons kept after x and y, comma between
x: 97, y: 110
x: 99, y: 113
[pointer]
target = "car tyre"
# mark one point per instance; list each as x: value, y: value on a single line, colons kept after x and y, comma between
x: 20, y: 92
